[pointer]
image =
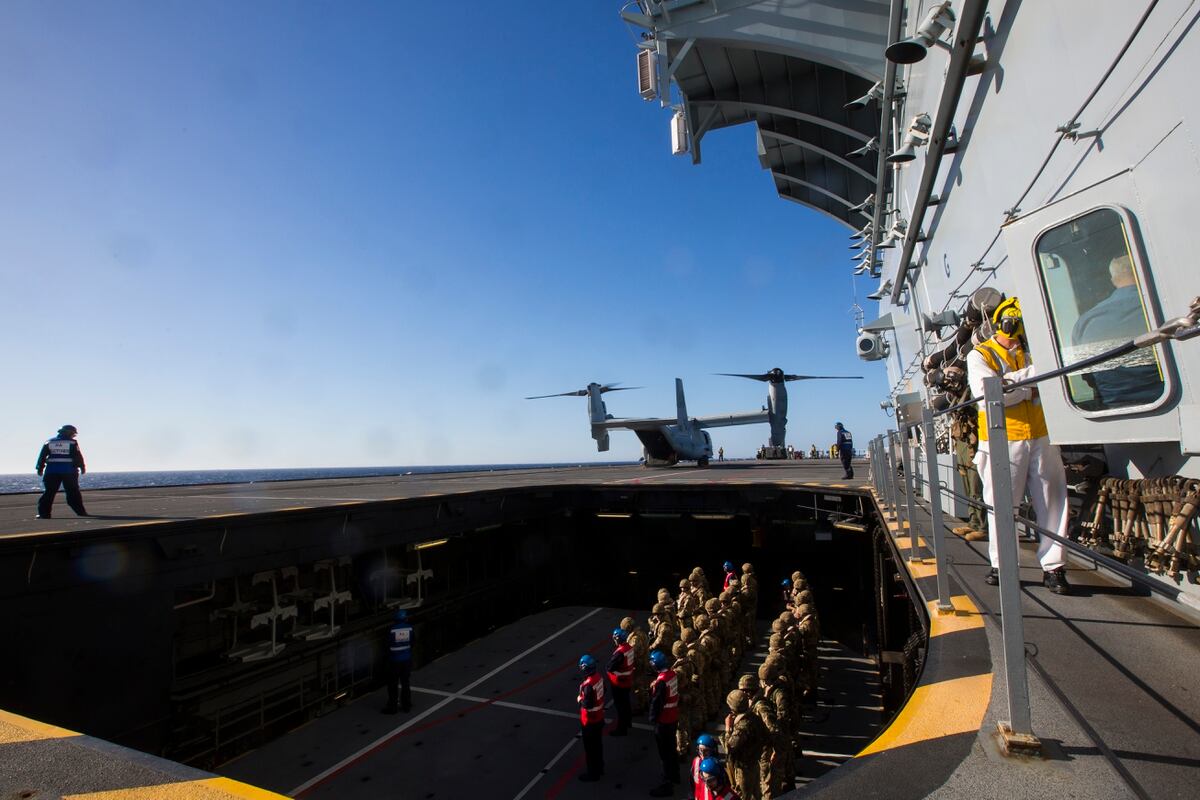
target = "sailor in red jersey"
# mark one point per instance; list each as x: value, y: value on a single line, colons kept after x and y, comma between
x: 730, y: 574
x: 664, y: 715
x: 591, y: 717
x: 706, y: 747
x: 714, y: 778
x: 620, y: 676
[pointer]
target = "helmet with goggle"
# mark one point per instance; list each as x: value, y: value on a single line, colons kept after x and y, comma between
x: 1006, y: 318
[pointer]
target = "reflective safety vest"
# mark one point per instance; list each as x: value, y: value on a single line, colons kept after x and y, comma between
x: 59, y: 460
x: 622, y: 678
x: 728, y: 577
x: 594, y: 713
x: 670, y: 709
x: 400, y: 642
x: 1024, y: 420
x: 701, y: 790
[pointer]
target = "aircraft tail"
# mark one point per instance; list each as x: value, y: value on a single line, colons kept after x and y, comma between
x: 598, y: 413
x: 680, y: 403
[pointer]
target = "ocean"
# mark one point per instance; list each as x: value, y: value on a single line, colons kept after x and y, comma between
x: 29, y: 482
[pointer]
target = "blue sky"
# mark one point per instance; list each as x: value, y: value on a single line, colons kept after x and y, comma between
x: 322, y: 234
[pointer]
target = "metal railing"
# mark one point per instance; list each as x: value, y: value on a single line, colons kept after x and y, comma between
x: 882, y: 453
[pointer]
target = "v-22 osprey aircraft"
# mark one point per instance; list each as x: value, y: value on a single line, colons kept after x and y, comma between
x: 667, y: 441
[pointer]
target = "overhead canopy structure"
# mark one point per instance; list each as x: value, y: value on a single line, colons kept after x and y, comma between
x: 789, y: 66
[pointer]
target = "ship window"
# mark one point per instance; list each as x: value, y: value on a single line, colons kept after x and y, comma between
x: 1095, y: 291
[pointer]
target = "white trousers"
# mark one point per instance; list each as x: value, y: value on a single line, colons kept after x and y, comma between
x: 1036, y: 468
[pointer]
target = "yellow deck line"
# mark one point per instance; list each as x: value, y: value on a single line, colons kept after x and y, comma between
x: 922, y: 569
x: 214, y: 788
x: 937, y: 710
x: 30, y: 730
x: 965, y: 617
x: 904, y: 542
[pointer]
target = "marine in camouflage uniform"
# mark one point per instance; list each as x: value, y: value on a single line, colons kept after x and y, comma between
x: 745, y: 740
x: 700, y: 586
x: 686, y: 605
x: 768, y: 775
x: 662, y: 627
x: 699, y: 680
x: 712, y: 675
x: 775, y: 690
x: 964, y: 431
x: 687, y: 706
x: 636, y: 638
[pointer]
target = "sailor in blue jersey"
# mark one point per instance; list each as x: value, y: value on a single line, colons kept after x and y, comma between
x: 845, y: 446
x: 399, y: 663
x: 60, y: 463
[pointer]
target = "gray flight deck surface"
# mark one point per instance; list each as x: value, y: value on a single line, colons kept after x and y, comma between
x: 1112, y: 673
x: 126, y: 507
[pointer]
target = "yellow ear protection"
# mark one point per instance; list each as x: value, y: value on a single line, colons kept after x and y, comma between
x: 1007, y: 318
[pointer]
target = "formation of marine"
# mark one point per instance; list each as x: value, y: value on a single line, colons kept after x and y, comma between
x: 707, y: 636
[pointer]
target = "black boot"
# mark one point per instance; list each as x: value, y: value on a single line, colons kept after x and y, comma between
x: 992, y: 578
x: 1056, y: 581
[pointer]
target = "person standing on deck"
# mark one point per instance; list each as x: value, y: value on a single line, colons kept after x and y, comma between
x: 1035, y: 463
x: 591, y: 718
x: 399, y: 664
x: 664, y: 716
x: 620, y: 677
x: 845, y: 448
x: 60, y: 463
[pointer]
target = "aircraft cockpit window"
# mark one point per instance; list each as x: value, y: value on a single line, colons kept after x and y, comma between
x: 1096, y: 290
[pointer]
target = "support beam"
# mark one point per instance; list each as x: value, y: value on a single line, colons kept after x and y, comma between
x: 814, y: 148
x: 895, y: 25
x: 784, y: 111
x: 826, y: 212
x: 814, y: 187
x: 966, y: 33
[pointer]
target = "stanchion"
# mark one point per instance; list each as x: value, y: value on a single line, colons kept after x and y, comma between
x: 1016, y: 734
x: 944, y: 605
x: 910, y: 502
x: 893, y: 488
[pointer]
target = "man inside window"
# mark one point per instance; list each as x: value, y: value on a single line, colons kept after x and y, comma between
x: 1115, y: 320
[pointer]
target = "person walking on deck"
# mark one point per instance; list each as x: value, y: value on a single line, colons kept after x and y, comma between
x: 60, y: 463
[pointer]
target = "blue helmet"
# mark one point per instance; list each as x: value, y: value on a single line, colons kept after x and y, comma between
x: 587, y: 664
x: 786, y: 583
x: 619, y: 635
x: 706, y: 740
x: 401, y: 615
x: 711, y: 766
x: 658, y: 660
x: 729, y: 566
x: 837, y: 425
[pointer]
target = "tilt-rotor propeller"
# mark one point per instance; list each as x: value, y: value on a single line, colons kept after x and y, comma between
x: 608, y: 387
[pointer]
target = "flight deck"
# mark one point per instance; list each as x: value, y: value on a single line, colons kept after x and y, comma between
x: 171, y: 582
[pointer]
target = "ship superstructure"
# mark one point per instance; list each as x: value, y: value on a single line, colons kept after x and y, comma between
x: 1041, y: 150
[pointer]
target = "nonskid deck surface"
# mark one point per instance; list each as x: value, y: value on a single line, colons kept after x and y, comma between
x: 498, y: 718
x: 123, y: 508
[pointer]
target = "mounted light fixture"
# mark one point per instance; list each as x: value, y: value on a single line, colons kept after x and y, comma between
x: 928, y: 34
x: 896, y: 234
x: 866, y: 231
x: 869, y: 202
x: 883, y: 291
x: 861, y: 244
x: 874, y: 93
x: 917, y: 136
x: 870, y: 147
x: 679, y: 133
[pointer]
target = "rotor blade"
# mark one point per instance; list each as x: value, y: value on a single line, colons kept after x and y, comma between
x: 822, y: 377
x: 763, y: 377
x: 577, y: 393
x: 615, y: 388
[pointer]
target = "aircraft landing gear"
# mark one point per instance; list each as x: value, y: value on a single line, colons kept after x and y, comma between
x: 703, y: 462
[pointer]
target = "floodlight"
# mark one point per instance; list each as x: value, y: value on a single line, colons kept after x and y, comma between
x: 868, y: 202
x: 870, y: 147
x: 928, y: 34
x: 866, y: 231
x: 874, y: 93
x: 883, y: 291
x: 917, y: 136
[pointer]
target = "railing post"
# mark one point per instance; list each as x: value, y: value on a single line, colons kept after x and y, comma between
x: 893, y: 489
x: 1017, y: 732
x: 877, y: 468
x: 935, y: 512
x: 909, y: 468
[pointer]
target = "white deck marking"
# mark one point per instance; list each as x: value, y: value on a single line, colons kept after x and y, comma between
x: 350, y: 759
x: 516, y: 706
x: 546, y: 769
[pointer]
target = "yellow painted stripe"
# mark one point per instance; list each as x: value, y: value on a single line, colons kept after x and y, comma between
x: 238, y: 789
x: 903, y: 542
x: 965, y: 617
x: 937, y: 710
x: 295, y: 508
x: 30, y: 730
x: 206, y: 789
x: 922, y: 568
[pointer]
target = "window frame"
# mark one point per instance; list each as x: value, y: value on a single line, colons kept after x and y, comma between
x: 1133, y: 237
